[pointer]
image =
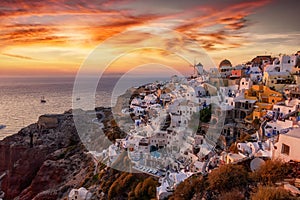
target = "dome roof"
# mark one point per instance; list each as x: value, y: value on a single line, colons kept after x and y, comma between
x: 225, y: 63
x: 199, y: 64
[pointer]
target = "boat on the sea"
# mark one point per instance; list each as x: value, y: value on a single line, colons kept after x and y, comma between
x: 43, y: 100
x: 2, y: 126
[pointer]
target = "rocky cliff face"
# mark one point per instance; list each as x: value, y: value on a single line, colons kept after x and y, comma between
x: 43, y: 162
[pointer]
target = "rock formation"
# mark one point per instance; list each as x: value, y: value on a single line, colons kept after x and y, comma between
x: 58, y: 161
x: 51, y: 167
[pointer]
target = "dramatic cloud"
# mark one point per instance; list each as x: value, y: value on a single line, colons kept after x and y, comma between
x: 203, y: 27
x: 80, y: 25
x: 105, y: 18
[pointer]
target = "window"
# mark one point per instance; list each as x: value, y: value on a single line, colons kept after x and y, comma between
x: 228, y: 132
x: 285, y: 149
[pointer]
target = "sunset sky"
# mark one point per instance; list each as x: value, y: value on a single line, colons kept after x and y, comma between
x: 53, y: 37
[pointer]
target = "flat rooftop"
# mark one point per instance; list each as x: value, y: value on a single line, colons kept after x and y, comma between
x: 294, y: 133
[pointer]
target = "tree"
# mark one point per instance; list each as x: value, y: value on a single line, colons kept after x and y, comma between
x: 122, y: 184
x: 188, y: 188
x: 146, y: 189
x: 228, y: 177
x: 271, y: 172
x: 205, y: 114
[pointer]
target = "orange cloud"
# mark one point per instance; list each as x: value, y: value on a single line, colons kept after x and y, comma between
x: 115, y: 21
x: 82, y: 25
x: 30, y: 34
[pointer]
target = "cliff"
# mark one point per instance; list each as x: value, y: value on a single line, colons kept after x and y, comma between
x: 43, y: 160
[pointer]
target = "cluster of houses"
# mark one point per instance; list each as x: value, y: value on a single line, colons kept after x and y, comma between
x: 187, y: 125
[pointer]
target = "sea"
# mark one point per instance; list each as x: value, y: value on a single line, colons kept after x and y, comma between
x: 20, y: 97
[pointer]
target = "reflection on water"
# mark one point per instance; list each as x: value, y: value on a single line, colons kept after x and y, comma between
x: 20, y: 98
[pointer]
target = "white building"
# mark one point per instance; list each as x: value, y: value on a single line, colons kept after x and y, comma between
x: 169, y: 183
x: 198, y: 69
x: 284, y: 63
x: 255, y: 74
x: 79, y: 194
x: 135, y: 102
x: 287, y: 147
x: 159, y: 139
x: 199, y: 166
x: 229, y: 91
x: 178, y: 120
x: 257, y: 149
x: 199, y: 91
x: 150, y: 99
x: 245, y: 84
x: 214, y: 72
x: 231, y: 157
x: 287, y: 107
x: 277, y: 127
x: 277, y: 80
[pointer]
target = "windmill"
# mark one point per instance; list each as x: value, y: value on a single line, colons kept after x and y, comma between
x: 197, y: 68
